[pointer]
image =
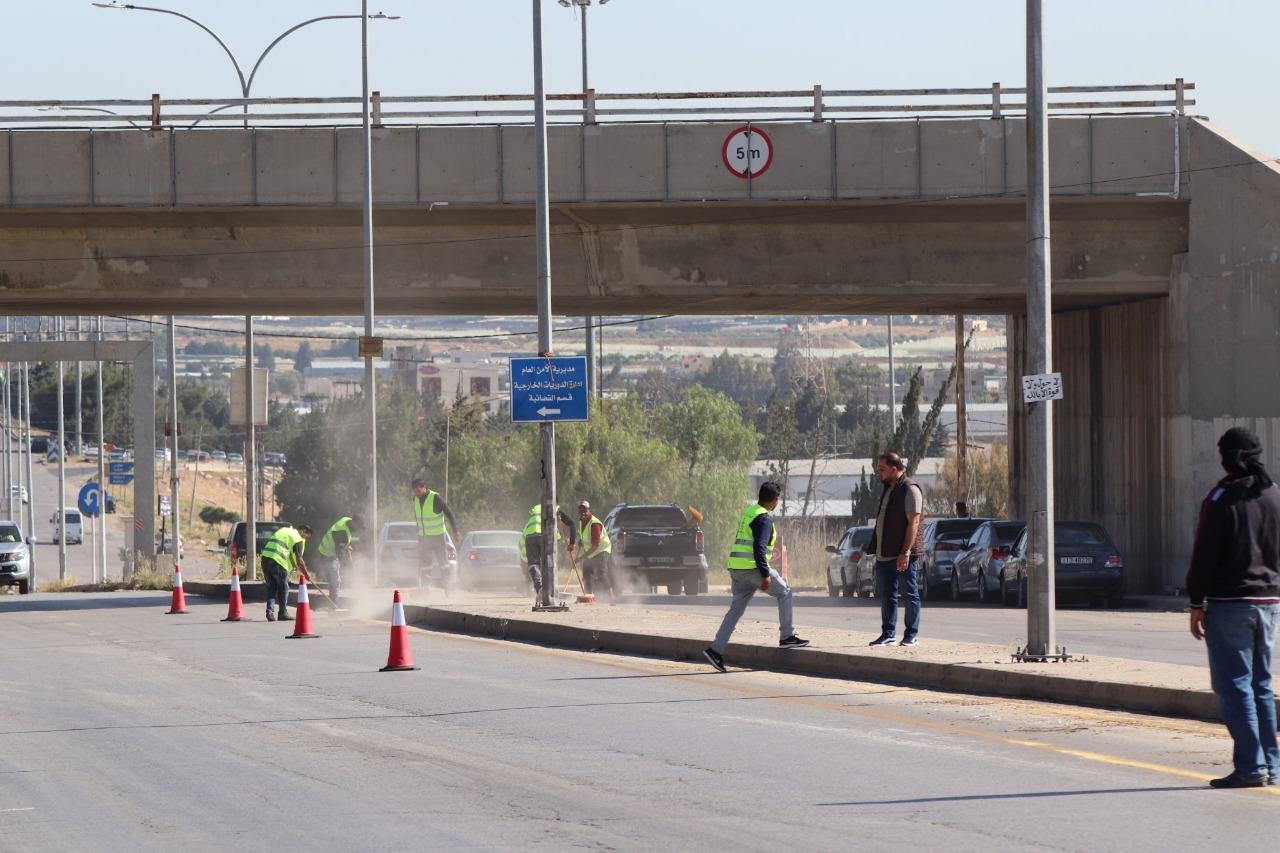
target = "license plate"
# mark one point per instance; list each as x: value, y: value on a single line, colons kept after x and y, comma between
x: 1077, y: 561
x: 662, y: 559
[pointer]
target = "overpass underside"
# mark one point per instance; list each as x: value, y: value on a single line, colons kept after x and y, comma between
x: 1165, y: 244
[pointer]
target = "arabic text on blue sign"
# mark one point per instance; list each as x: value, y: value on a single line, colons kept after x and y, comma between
x: 548, y: 389
x: 119, y: 479
x: 119, y: 467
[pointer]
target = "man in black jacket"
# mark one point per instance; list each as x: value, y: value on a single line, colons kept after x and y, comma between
x: 897, y: 543
x: 1234, y: 585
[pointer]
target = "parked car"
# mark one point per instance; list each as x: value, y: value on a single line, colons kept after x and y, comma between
x: 844, y: 573
x: 91, y: 451
x: 39, y: 444
x: 235, y: 458
x: 218, y: 456
x: 198, y: 456
x: 398, y: 554
x: 657, y: 545
x: 1086, y: 563
x: 490, y: 559
x: 234, y: 547
x: 15, y: 557
x: 165, y: 546
x: 75, y: 527
x: 944, y: 539
x: 976, y: 570
x: 163, y: 454
x: 110, y: 505
x: 274, y: 460
x: 18, y: 493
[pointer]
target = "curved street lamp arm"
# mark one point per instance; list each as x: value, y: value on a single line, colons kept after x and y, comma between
x: 249, y: 84
x: 244, y: 88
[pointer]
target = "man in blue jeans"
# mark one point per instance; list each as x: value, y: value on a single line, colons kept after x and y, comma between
x: 898, y: 543
x: 749, y: 571
x: 1234, y: 586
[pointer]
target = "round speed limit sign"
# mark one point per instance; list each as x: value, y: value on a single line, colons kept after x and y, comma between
x: 747, y: 152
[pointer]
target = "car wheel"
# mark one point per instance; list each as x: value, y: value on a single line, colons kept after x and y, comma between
x: 675, y: 588
x: 691, y: 582
x: 1008, y: 597
x: 984, y: 594
x: 850, y: 589
x: 24, y: 586
x: 832, y: 591
x: 922, y: 581
x: 1022, y: 591
x: 955, y: 585
x: 1115, y: 601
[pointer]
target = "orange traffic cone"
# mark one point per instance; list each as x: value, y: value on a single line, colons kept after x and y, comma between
x: 235, y: 607
x: 302, y: 614
x: 398, y: 658
x: 179, y: 604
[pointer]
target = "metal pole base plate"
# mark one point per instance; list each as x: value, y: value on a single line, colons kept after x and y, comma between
x: 1059, y: 656
x: 549, y: 608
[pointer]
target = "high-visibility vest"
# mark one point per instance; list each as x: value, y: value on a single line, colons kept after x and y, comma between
x: 280, y: 547
x: 584, y: 533
x: 430, y: 522
x: 533, y: 526
x: 742, y: 555
x: 326, y: 544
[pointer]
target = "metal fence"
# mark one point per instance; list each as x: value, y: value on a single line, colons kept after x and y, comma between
x: 592, y: 107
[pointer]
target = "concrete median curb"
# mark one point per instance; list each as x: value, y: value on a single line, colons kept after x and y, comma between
x: 1054, y: 682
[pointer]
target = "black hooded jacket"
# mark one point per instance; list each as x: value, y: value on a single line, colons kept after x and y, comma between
x: 1236, y: 555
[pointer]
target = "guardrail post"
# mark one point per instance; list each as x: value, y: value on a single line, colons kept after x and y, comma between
x: 155, y: 111
x: 375, y: 100
x: 995, y: 100
x: 817, y: 103
x: 1180, y: 96
x: 590, y: 101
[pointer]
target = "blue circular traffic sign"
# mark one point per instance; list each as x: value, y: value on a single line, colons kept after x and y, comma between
x: 89, y: 500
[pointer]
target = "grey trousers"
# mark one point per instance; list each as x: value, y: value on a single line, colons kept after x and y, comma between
x: 744, y: 584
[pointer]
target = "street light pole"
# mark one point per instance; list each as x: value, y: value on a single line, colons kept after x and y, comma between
x: 370, y: 374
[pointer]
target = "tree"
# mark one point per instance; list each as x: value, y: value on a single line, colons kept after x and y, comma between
x: 987, y: 489
x: 302, y: 358
x: 265, y: 356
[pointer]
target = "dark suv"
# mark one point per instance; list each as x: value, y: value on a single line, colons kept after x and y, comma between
x: 233, y: 545
x: 944, y: 539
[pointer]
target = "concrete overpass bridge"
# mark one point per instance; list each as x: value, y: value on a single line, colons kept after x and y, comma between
x: 1166, y: 237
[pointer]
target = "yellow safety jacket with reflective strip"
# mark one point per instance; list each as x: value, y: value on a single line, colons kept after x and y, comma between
x: 326, y: 544
x: 742, y: 555
x: 280, y: 547
x: 533, y: 526
x: 430, y: 522
x: 584, y: 535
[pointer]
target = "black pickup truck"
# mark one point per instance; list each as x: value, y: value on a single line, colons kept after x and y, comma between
x: 657, y: 545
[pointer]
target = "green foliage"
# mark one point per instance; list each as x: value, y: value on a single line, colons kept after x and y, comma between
x: 215, y: 515
x: 302, y: 358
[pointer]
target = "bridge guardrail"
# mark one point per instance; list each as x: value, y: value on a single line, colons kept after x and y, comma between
x: 818, y: 104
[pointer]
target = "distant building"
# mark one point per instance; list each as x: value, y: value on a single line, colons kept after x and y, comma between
x: 460, y: 372
x: 834, y: 480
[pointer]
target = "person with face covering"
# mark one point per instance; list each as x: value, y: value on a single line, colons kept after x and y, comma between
x: 1234, y: 587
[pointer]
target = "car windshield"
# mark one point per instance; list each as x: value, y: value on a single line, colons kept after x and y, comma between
x: 265, y: 530
x: 495, y: 539
x: 658, y: 516
x: 401, y: 532
x: 1079, y: 534
x: 10, y: 533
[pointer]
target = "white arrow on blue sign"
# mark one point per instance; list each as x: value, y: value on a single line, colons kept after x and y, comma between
x: 89, y: 500
x: 548, y: 389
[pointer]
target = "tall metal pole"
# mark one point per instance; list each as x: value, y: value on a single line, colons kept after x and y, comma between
x: 62, y: 467
x: 543, y: 218
x: 1040, y: 592
x: 26, y: 444
x: 587, y: 320
x: 250, y: 462
x: 962, y: 413
x: 173, y: 438
x: 102, y: 459
x: 8, y: 438
x: 79, y: 393
x: 370, y: 375
x: 893, y: 392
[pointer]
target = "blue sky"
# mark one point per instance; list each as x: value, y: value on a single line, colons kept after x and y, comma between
x: 66, y: 49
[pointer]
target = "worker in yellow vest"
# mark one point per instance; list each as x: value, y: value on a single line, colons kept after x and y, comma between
x: 749, y: 571
x: 431, y: 512
x: 596, y: 561
x: 281, y: 555
x: 335, y: 547
x: 531, y: 544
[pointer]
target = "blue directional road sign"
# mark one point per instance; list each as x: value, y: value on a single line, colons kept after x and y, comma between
x: 89, y: 499
x: 119, y: 468
x: 548, y: 389
x: 119, y: 479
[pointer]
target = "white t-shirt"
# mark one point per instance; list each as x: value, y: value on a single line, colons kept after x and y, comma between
x: 914, y: 506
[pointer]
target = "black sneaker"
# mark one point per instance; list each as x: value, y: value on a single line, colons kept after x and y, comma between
x: 909, y: 641
x: 714, y: 659
x: 1235, y: 780
x: 793, y: 642
x: 882, y: 640
x: 286, y: 617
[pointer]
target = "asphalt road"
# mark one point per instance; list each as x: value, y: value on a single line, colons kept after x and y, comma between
x: 122, y: 728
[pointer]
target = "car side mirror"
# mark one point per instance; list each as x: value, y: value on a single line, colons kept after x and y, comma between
x: 222, y: 543
x: 831, y: 549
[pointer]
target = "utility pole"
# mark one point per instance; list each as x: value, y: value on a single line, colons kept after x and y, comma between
x: 962, y: 420
x: 62, y: 465
x: 893, y: 392
x: 102, y: 461
x: 1041, y: 603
